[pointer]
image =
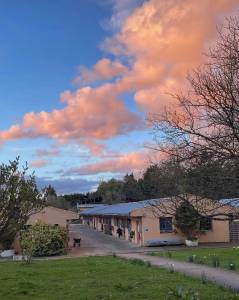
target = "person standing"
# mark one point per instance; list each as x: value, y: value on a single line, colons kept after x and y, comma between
x: 119, y: 232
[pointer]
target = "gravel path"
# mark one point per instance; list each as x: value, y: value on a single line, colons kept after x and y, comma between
x: 228, y: 279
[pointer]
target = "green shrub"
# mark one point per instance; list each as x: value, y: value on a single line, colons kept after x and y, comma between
x: 42, y: 239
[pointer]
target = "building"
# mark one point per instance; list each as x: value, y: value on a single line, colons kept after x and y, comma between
x: 53, y: 216
x: 139, y: 224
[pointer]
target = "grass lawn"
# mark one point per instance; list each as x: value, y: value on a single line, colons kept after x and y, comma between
x: 96, y: 278
x: 226, y: 256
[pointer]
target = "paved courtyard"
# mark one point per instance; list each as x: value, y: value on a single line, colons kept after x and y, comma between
x: 97, y: 243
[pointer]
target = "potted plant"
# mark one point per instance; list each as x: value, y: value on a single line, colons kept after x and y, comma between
x: 191, y: 242
x: 186, y: 221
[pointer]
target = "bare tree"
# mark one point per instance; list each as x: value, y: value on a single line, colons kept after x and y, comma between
x: 196, y: 185
x: 207, y: 117
x: 205, y: 123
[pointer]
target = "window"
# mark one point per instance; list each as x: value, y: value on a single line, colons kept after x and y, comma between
x: 166, y: 224
x: 206, y: 224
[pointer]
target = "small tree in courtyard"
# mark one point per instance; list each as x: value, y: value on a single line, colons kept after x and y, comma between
x: 187, y: 220
x: 19, y: 198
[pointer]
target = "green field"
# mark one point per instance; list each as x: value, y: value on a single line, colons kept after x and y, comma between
x: 226, y: 256
x: 97, y: 278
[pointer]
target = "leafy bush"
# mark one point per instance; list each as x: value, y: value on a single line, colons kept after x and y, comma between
x: 42, y: 239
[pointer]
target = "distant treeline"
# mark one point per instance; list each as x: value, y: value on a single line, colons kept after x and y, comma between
x: 204, y: 177
x: 70, y: 201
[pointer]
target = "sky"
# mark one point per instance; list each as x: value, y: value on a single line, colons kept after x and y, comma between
x: 79, y: 78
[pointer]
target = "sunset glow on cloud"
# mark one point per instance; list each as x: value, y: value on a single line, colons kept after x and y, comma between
x: 166, y: 40
x: 89, y: 114
x: 39, y: 163
x: 104, y: 69
x: 153, y: 46
x: 126, y: 163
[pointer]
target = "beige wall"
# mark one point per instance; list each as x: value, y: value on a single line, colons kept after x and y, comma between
x: 53, y: 215
x: 145, y: 224
x: 151, y: 229
x: 220, y: 233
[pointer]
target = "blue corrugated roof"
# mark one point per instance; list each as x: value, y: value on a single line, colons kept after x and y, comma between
x: 94, y: 210
x: 233, y: 202
x: 90, y: 205
x: 121, y: 209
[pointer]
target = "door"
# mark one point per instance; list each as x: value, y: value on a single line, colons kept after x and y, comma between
x: 234, y: 231
x: 138, y: 235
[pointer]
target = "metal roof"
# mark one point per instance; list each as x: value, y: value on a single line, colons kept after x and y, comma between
x: 120, y: 209
x: 232, y: 202
x: 125, y: 209
x: 94, y: 210
x: 90, y: 205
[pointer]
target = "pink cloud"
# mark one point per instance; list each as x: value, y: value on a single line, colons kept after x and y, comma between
x: 53, y: 151
x: 129, y: 162
x: 104, y: 69
x: 95, y: 148
x: 39, y: 163
x: 161, y: 41
x: 90, y: 113
x: 165, y: 40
